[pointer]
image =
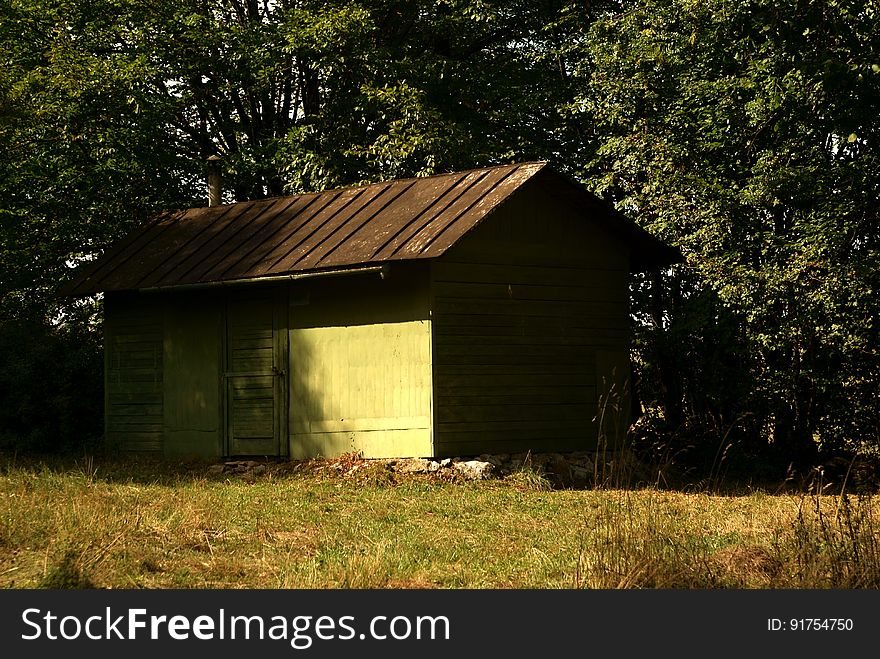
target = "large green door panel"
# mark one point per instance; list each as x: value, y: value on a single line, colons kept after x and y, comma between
x: 361, y: 388
x: 360, y: 364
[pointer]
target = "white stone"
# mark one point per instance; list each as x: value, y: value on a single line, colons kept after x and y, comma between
x: 475, y: 469
x: 413, y: 466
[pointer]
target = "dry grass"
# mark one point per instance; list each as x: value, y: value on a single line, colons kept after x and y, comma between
x: 144, y: 524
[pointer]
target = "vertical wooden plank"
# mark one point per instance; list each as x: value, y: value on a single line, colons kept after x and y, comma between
x: 282, y: 348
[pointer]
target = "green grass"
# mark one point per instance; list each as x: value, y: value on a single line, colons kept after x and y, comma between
x: 143, y: 523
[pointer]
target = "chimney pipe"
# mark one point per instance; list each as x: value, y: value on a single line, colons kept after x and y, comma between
x: 215, y: 181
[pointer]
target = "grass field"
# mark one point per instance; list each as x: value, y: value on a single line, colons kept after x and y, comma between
x: 146, y: 524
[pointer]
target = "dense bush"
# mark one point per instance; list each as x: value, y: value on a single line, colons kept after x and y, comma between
x: 51, y: 385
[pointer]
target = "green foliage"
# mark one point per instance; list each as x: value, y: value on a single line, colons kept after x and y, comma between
x: 747, y: 133
x: 83, y: 157
x: 51, y: 385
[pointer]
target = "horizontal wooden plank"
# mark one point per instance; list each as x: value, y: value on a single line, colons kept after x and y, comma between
x: 250, y: 333
x: 149, y: 425
x: 253, y: 387
x: 507, y: 290
x: 252, y: 409
x: 477, y: 317
x: 472, y: 327
x: 558, y: 425
x: 131, y: 446
x: 545, y: 308
x: 152, y: 397
x: 263, y: 365
x: 133, y: 375
x: 253, y: 343
x: 142, y: 324
x: 138, y: 350
x: 131, y: 425
x: 246, y: 432
x: 511, y: 341
x: 489, y: 436
x: 255, y: 352
x: 483, y: 306
x: 588, y: 322
x: 513, y: 369
x: 252, y: 396
x: 556, y: 413
x: 254, y: 446
x: 135, y: 410
x: 448, y: 271
x: 447, y: 384
x: 132, y: 342
x: 137, y: 362
x: 135, y: 388
x: 549, y: 360
x: 467, y: 445
x: 373, y: 443
x: 243, y: 410
x: 135, y: 435
x: 304, y: 426
x: 253, y: 426
x: 151, y: 422
x: 572, y: 396
x: 513, y: 349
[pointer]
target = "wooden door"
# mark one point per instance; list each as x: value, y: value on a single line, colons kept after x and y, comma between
x: 255, y: 373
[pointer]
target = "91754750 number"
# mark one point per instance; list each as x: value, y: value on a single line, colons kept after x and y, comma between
x: 810, y: 624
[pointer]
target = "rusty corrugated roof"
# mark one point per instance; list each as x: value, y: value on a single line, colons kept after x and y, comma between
x: 396, y: 220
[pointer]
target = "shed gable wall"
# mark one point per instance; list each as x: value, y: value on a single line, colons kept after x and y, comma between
x: 530, y: 328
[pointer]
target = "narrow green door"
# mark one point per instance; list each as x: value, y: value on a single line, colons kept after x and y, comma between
x: 255, y: 373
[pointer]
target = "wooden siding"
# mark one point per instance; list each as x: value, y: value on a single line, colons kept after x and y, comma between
x: 134, y: 375
x: 530, y: 312
x: 192, y: 386
x: 360, y: 365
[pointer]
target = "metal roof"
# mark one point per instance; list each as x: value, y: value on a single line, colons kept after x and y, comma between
x: 325, y: 231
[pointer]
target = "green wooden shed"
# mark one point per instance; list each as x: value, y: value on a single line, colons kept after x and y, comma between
x: 484, y: 311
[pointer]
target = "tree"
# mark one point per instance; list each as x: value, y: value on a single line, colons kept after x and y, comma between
x: 747, y: 134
